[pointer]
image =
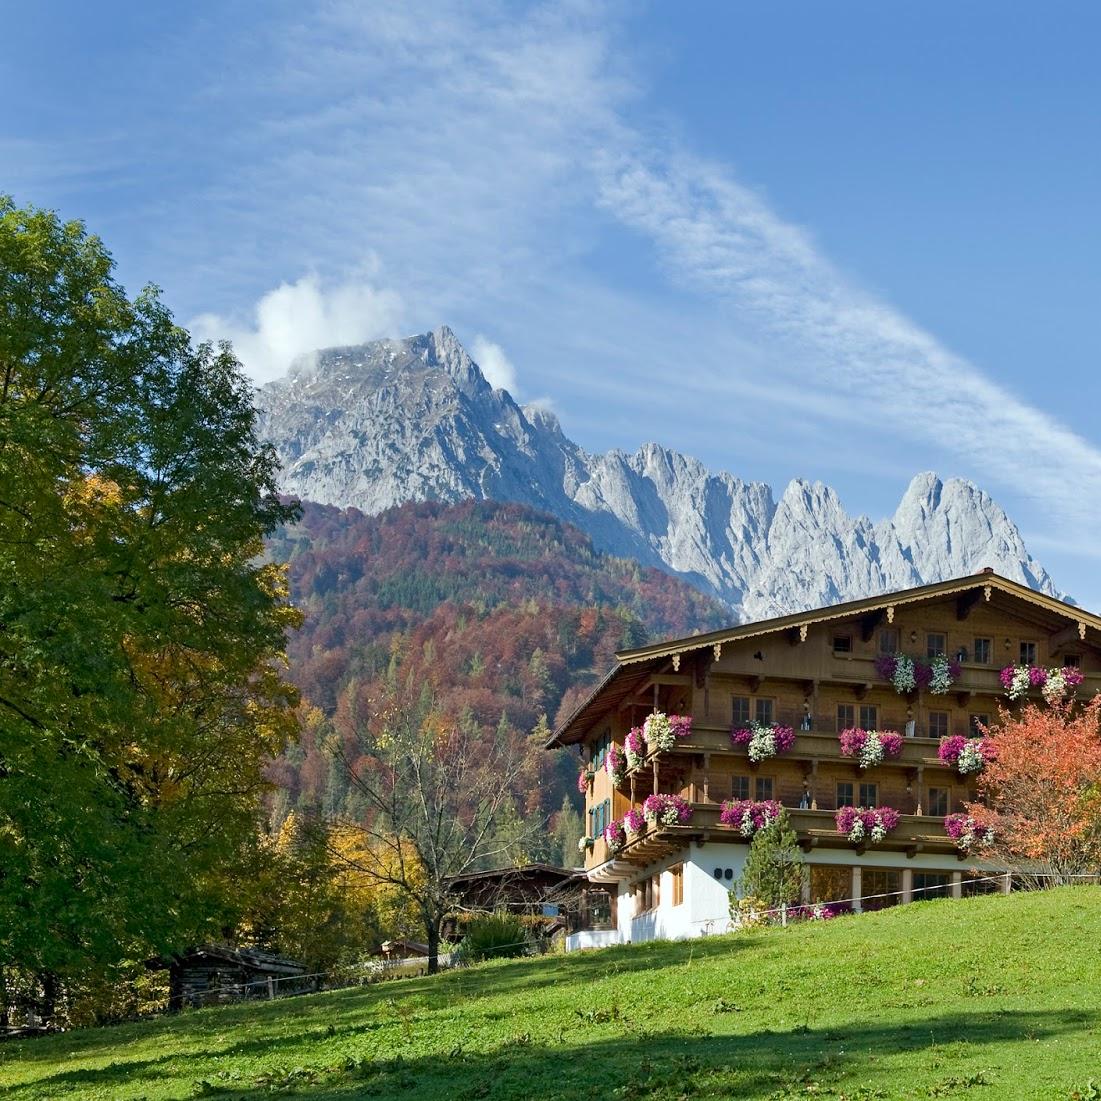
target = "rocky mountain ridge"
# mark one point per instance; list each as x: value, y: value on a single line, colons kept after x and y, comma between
x: 380, y: 424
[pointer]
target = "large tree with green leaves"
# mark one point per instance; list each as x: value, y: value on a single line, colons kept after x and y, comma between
x: 140, y: 628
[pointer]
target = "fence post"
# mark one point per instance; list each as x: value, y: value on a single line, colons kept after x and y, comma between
x: 271, y: 988
x: 783, y: 913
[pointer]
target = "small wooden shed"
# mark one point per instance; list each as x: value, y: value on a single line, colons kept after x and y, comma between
x: 213, y: 973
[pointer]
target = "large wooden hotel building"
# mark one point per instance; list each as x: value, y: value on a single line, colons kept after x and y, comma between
x: 814, y: 683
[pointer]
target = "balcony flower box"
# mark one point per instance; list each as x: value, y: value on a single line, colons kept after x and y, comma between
x: 615, y: 836
x: 667, y: 810
x: 1055, y: 684
x: 965, y: 755
x: 585, y: 780
x: 634, y: 747
x: 662, y: 732
x: 615, y: 764
x: 748, y: 815
x: 585, y: 844
x: 634, y: 822
x: 764, y: 740
x: 907, y: 674
x: 967, y: 833
x: 864, y: 825
x: 870, y: 747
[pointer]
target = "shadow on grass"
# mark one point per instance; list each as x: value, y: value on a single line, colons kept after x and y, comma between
x: 316, y: 1010
x: 641, y: 1063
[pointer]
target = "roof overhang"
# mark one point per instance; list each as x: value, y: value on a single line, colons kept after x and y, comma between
x: 635, y: 666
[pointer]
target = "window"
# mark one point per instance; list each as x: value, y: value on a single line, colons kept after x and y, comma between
x: 1028, y: 653
x: 976, y: 723
x: 880, y: 887
x: 739, y: 787
x: 600, y: 750
x: 888, y: 640
x: 1072, y: 661
x: 842, y: 644
x: 869, y: 795
x: 845, y: 794
x: 931, y: 885
x: 741, y: 712
x: 938, y: 802
x: 938, y: 724
x: 935, y: 645
x: 676, y: 880
x: 764, y: 787
x: 830, y: 883
x: 869, y: 715
x: 984, y: 651
x: 764, y: 710
x: 598, y: 818
x: 846, y: 717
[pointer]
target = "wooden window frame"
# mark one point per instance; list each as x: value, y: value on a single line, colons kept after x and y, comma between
x: 890, y: 640
x: 739, y: 776
x: 837, y: 720
x: 929, y: 636
x: 676, y: 874
x: 739, y: 722
x: 771, y: 701
x: 864, y: 784
x: 1074, y: 661
x: 947, y: 724
x: 757, y: 781
x: 837, y: 793
x: 989, y: 659
x: 874, y: 724
x: 1022, y: 643
x: 839, y: 637
x: 929, y: 809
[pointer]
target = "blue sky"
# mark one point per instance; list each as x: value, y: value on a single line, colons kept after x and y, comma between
x: 845, y: 242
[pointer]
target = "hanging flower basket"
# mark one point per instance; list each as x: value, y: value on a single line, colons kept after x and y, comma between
x: 907, y: 674
x: 662, y: 732
x: 615, y: 764
x: 667, y: 810
x: 748, y: 815
x: 585, y: 780
x: 967, y: 833
x: 585, y: 844
x: 866, y: 826
x: 615, y: 836
x: 965, y: 755
x: 764, y: 740
x: 634, y: 747
x: 870, y: 747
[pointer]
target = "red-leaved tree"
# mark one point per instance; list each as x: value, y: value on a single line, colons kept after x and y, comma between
x: 1041, y: 790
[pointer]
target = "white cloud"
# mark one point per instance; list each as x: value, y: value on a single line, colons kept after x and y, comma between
x: 495, y: 365
x: 297, y: 318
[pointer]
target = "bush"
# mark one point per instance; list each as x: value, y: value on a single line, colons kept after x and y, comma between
x: 495, y: 936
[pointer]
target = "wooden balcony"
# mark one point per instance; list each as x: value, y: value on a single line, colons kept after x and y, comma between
x: 815, y: 829
x: 810, y: 748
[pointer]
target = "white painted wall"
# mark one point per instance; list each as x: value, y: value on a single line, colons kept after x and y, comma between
x: 592, y: 938
x: 705, y: 909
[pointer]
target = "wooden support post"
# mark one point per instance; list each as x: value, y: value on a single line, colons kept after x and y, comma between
x: 271, y: 989
x: 1007, y: 883
x: 707, y: 777
x: 804, y: 885
x: 655, y: 775
x: 856, y: 890
x: 907, y: 885
x: 957, y: 884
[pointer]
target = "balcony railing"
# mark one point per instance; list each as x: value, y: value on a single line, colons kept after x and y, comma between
x: 814, y: 829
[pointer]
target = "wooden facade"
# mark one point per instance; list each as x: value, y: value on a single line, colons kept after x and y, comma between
x: 816, y: 672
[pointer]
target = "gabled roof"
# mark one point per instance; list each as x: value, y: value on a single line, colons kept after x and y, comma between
x: 635, y: 666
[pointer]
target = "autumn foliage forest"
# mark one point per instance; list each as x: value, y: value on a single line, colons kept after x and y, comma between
x: 506, y: 614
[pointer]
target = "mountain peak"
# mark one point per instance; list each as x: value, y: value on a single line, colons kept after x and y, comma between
x: 392, y: 421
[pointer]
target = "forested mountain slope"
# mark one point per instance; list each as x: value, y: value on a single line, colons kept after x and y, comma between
x: 504, y: 612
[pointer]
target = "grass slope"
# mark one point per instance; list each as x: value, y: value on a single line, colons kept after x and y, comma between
x: 987, y: 998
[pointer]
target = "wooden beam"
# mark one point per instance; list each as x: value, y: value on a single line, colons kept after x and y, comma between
x: 869, y: 622
x: 1062, y: 637
x: 966, y: 601
x: 861, y: 690
x: 755, y: 683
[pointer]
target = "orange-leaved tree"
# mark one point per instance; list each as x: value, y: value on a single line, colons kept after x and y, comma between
x: 1040, y: 791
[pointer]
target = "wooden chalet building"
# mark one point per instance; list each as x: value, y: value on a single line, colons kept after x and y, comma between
x: 819, y: 673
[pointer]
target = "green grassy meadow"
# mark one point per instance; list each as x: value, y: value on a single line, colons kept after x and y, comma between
x: 984, y: 998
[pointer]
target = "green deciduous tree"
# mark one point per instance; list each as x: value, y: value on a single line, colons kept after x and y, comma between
x: 140, y: 628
